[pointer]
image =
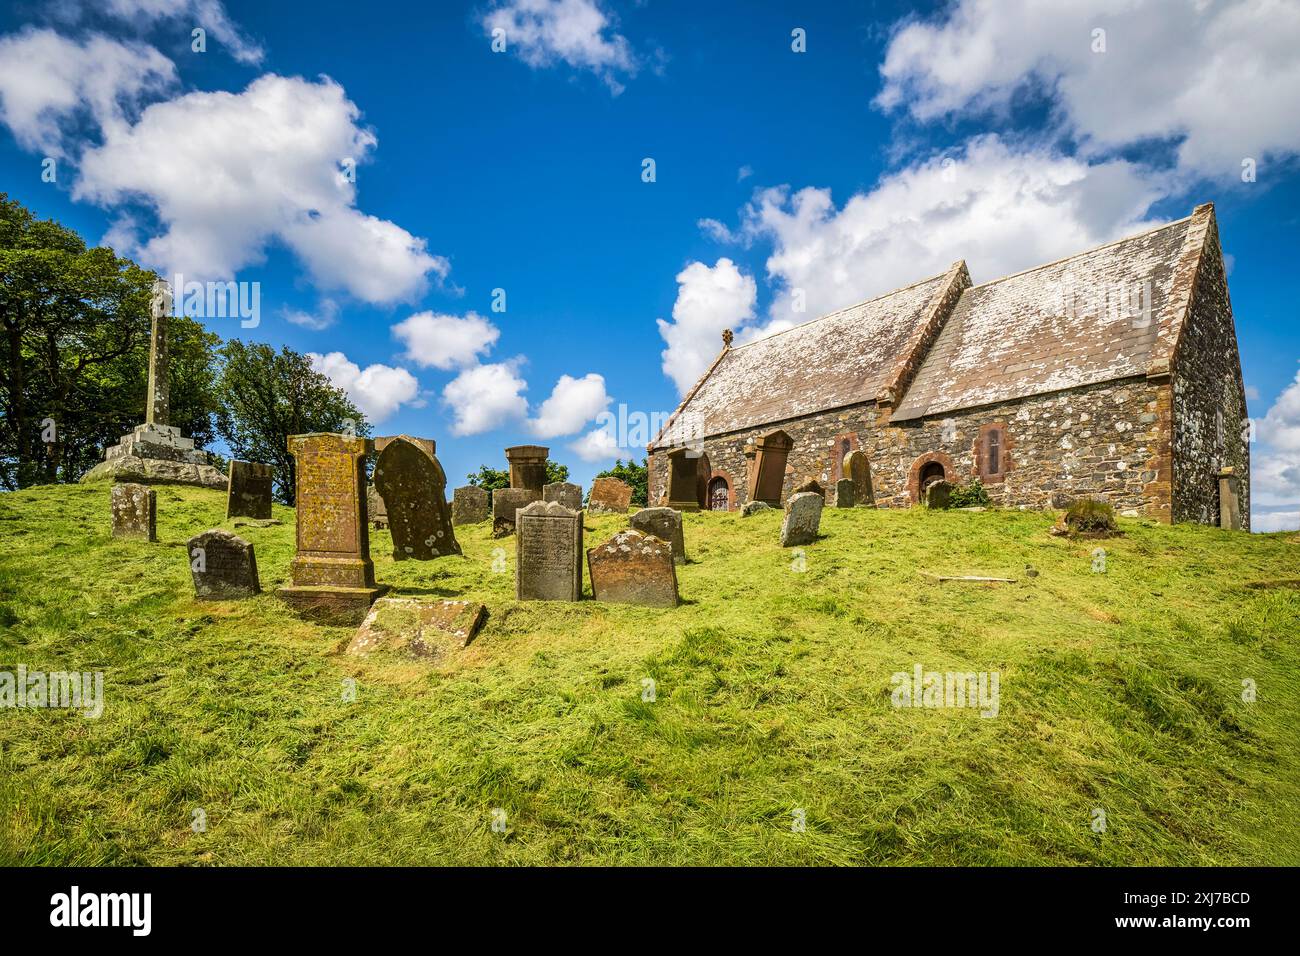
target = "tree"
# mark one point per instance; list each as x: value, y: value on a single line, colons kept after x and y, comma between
x: 493, y: 478
x: 268, y: 396
x: 74, y: 362
x: 637, y: 476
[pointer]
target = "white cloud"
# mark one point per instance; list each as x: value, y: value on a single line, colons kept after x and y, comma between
x: 50, y: 84
x: 446, y: 341
x: 597, y: 445
x: 709, y: 299
x: 572, y: 403
x: 230, y: 173
x: 577, y: 32
x: 486, y: 397
x: 209, y: 14
x: 1275, y: 521
x: 1222, y: 79
x: 378, y: 390
x: 325, y: 315
x: 1275, y: 465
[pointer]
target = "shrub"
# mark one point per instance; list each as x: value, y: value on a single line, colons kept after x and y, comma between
x: 1090, y: 515
x: 972, y: 495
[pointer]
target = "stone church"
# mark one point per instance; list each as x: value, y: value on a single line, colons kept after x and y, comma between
x: 1113, y: 373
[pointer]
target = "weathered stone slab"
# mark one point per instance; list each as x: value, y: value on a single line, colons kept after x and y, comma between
x: 376, y: 510
x: 688, y: 479
x: 767, y: 477
x: 223, y: 565
x: 754, y: 507
x: 610, y: 496
x: 811, y: 486
x: 469, y: 505
x: 664, y: 524
x: 332, y: 576
x: 634, y: 568
x: 1229, y: 500
x: 414, y: 489
x: 938, y: 494
x: 528, y: 467
x: 803, y: 518
x: 548, y: 553
x: 427, y: 630
x: 505, y: 502
x: 248, y: 489
x: 857, y: 468
x: 134, y: 511
x: 565, y: 493
x: 844, y: 493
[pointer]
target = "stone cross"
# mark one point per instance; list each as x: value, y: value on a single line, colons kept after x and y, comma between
x: 157, y: 410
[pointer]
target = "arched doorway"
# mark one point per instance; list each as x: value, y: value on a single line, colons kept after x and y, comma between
x: 931, y: 472
x: 719, y: 494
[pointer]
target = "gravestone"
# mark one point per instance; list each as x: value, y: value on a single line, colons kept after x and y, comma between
x: 469, y: 505
x: 332, y: 578
x: 937, y: 494
x: 414, y: 489
x: 376, y: 510
x: 609, y: 496
x: 633, y: 568
x: 857, y: 468
x: 666, y: 525
x: 223, y: 565
x: 803, y: 518
x: 564, y: 492
x: 1229, y: 500
x: 548, y: 553
x: 754, y: 507
x: 811, y: 486
x: 428, y: 630
x: 505, y: 502
x: 248, y: 490
x: 688, y: 479
x: 844, y: 493
x: 428, y: 444
x: 767, y: 476
x: 528, y: 467
x: 135, y: 511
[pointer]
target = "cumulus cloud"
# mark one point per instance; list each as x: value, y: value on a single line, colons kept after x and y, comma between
x: 1220, y: 79
x: 229, y: 173
x: 597, y: 445
x: 576, y: 32
x: 209, y: 14
x: 1275, y: 520
x: 322, y: 318
x: 485, y: 397
x: 709, y: 299
x: 377, y: 390
x: 572, y: 403
x: 1275, y: 465
x: 51, y: 86
x: 445, y: 342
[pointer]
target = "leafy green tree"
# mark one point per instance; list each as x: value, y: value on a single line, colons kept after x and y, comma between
x: 268, y: 396
x: 493, y: 478
x: 75, y: 355
x: 638, y: 476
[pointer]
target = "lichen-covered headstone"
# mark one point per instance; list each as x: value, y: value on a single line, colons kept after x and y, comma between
x: 248, y: 490
x: 414, y: 489
x: 610, y: 496
x: 505, y: 502
x: 802, y: 521
x: 844, y: 493
x: 565, y: 493
x: 427, y: 630
x: 469, y: 505
x: 548, y: 553
x: 937, y: 494
x: 857, y: 468
x: 664, y: 524
x: 135, y: 511
x: 223, y: 565
x: 633, y: 568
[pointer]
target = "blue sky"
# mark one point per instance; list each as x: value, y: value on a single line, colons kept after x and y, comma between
x: 901, y: 138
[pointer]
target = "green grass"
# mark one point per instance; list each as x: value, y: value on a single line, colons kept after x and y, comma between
x: 1119, y: 691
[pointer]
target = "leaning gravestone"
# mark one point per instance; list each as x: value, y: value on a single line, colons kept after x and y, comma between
x: 844, y: 493
x: 414, y: 490
x: 937, y: 494
x: 223, y: 565
x: 248, y: 490
x: 548, y: 553
x: 633, y: 568
x: 803, y: 517
x: 135, y: 511
x: 610, y: 496
x: 564, y: 492
x: 332, y: 576
x: 505, y: 502
x: 811, y: 485
x: 469, y: 505
x: 857, y: 468
x: 666, y: 525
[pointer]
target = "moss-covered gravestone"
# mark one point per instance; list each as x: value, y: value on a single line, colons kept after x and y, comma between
x: 414, y: 489
x: 135, y: 511
x: 223, y: 566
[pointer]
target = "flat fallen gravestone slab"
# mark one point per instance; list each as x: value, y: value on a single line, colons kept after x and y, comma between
x: 633, y: 568
x: 426, y: 630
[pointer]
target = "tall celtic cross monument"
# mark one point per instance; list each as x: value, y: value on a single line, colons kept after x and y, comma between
x: 156, y: 452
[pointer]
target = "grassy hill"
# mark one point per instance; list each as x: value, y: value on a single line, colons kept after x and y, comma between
x: 1120, y: 691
